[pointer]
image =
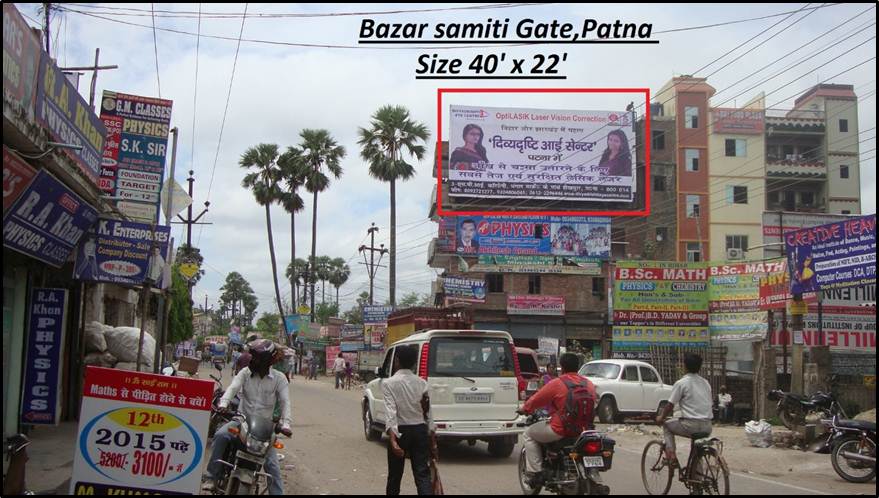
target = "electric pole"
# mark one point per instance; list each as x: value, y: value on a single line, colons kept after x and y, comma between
x: 94, y: 70
x: 371, y: 265
x: 189, y: 221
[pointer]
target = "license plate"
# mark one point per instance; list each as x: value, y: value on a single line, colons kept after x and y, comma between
x: 473, y: 398
x: 593, y: 461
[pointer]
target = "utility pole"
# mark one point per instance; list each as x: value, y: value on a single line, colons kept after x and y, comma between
x: 94, y: 70
x: 189, y: 221
x: 371, y: 265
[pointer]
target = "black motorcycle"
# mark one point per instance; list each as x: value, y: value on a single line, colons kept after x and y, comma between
x: 220, y: 417
x: 571, y: 466
x: 852, y: 448
x: 245, y: 456
x: 794, y: 408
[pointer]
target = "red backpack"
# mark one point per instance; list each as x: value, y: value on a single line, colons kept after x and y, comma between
x: 579, y: 411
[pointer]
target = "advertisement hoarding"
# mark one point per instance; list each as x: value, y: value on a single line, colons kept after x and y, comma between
x: 734, y: 299
x: 777, y: 223
x: 541, y: 154
x: 535, y: 305
x: 737, y: 121
x: 47, y: 221
x: 832, y: 256
x: 376, y: 314
x: 140, y: 432
x: 464, y: 289
x: 41, y: 393
x: 849, y: 328
x: 21, y: 60
x: 17, y: 175
x: 122, y: 252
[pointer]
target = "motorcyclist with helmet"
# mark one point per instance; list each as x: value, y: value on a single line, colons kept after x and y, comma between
x: 260, y: 388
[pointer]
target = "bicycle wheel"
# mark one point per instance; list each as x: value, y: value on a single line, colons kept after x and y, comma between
x: 655, y: 471
x: 710, y: 473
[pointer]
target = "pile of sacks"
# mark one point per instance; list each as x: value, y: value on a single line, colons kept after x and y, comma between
x: 116, y: 347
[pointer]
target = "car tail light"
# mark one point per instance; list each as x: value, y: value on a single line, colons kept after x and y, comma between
x: 592, y: 447
x: 522, y: 395
x: 422, y: 366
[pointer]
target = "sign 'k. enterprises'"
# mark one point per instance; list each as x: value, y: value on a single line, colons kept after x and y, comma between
x: 140, y: 433
x: 122, y: 252
x: 541, y: 154
x: 133, y: 161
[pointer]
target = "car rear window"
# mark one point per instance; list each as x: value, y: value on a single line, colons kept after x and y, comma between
x: 527, y: 363
x: 471, y: 357
x: 601, y: 370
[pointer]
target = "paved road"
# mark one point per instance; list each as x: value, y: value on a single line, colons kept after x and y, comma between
x: 329, y: 455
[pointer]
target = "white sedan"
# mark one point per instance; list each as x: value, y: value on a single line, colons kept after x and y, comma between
x: 626, y: 388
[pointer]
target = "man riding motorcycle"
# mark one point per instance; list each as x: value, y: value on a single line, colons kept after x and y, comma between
x: 552, y: 396
x: 260, y: 387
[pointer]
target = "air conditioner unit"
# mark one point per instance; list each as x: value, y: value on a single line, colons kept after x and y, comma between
x: 735, y: 253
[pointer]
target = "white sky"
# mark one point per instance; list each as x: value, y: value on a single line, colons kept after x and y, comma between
x: 279, y: 90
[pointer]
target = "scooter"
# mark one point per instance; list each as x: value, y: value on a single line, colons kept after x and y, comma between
x: 571, y: 466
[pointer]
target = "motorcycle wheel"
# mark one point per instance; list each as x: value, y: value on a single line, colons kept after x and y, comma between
x: 527, y: 490
x: 841, y: 465
x: 790, y: 419
x: 236, y: 487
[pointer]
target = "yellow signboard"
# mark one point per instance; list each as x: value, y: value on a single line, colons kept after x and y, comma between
x: 303, y: 309
x: 189, y: 270
x: 870, y: 381
x: 799, y: 307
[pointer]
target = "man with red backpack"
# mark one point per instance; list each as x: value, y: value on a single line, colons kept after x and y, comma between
x: 570, y: 400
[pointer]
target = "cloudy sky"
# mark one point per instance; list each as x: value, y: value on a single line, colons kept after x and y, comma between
x: 281, y: 88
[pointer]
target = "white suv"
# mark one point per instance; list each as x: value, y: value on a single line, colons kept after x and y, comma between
x: 626, y: 388
x: 473, y: 383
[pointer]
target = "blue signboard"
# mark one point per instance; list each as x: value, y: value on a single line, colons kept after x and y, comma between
x: 376, y: 314
x: 526, y: 235
x: 41, y: 394
x: 465, y: 289
x: 122, y: 252
x: 351, y: 347
x: 296, y: 323
x: 832, y: 256
x: 47, y: 221
x: 351, y: 332
x: 69, y: 118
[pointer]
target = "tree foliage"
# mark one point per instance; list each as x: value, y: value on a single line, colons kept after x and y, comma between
x: 355, y: 314
x: 325, y: 311
x: 180, y: 319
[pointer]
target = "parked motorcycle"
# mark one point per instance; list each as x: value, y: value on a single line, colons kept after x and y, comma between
x: 245, y: 456
x: 571, y: 466
x: 794, y: 408
x: 220, y: 417
x: 852, y: 448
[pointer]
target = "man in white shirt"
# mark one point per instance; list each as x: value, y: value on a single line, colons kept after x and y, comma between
x: 410, y: 423
x: 339, y: 370
x: 260, y: 387
x: 692, y: 397
x: 724, y: 403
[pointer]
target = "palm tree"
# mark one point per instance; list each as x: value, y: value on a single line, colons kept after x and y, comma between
x: 264, y: 182
x: 293, y: 175
x: 382, y: 147
x: 322, y: 269
x: 339, y: 274
x: 317, y: 153
x: 296, y: 275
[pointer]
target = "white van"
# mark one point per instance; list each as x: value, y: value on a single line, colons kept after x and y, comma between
x: 473, y: 381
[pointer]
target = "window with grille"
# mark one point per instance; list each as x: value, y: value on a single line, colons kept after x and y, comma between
x: 658, y: 183
x: 495, y: 282
x: 692, y: 206
x: 691, y: 158
x: 737, y: 242
x: 694, y: 252
x: 736, y: 147
x: 843, y: 125
x: 533, y: 284
x: 658, y: 140
x: 691, y: 117
x: 843, y: 171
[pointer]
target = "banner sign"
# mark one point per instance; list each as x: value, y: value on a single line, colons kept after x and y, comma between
x: 350, y: 331
x: 541, y: 154
x: 296, y: 323
x: 851, y: 328
x: 737, y: 121
x: 17, y: 174
x: 587, y: 237
x: 133, y: 163
x: 41, y: 393
x: 536, y: 305
x: 775, y: 290
x: 374, y: 335
x: 375, y: 314
x: 69, y: 118
x: 21, y: 60
x: 832, y: 256
x: 352, y: 346
x: 639, y: 338
x: 548, y: 345
x: 47, y: 221
x: 464, y: 289
x: 122, y: 252
x: 734, y: 299
x: 141, y: 430
x: 775, y: 224
x: 331, y: 353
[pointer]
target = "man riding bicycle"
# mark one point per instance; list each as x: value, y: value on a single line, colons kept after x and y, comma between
x: 260, y: 387
x: 692, y: 397
x: 553, y: 396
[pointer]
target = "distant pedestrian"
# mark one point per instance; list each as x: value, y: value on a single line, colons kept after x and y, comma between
x: 724, y: 403
x: 312, y: 368
x: 339, y: 370
x: 349, y: 374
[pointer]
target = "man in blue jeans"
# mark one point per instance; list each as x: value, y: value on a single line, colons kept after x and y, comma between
x: 260, y: 387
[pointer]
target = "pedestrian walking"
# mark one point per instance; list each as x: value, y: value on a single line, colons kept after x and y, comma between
x: 409, y: 424
x: 724, y: 403
x: 349, y: 374
x: 339, y: 370
x: 312, y: 368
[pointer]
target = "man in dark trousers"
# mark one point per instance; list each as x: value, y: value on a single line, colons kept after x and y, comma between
x: 410, y: 423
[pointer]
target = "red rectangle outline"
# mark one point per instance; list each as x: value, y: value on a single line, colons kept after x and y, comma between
x: 439, y: 161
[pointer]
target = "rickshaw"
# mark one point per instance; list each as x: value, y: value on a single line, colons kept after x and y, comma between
x: 218, y: 355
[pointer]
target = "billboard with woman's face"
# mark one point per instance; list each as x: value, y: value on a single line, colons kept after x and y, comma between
x: 541, y: 154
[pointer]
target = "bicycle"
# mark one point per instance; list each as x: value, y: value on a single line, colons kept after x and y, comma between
x: 706, y: 471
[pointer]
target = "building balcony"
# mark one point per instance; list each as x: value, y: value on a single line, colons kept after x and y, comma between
x: 794, y: 166
x: 796, y: 122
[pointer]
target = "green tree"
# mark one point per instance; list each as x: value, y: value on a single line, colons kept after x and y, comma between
x: 318, y: 154
x: 339, y: 273
x: 180, y: 312
x: 296, y: 275
x: 264, y: 183
x: 293, y: 172
x: 234, y: 295
x: 325, y: 311
x: 410, y: 300
x: 251, y: 303
x: 355, y: 314
x: 323, y: 271
x: 391, y: 133
x: 268, y: 324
